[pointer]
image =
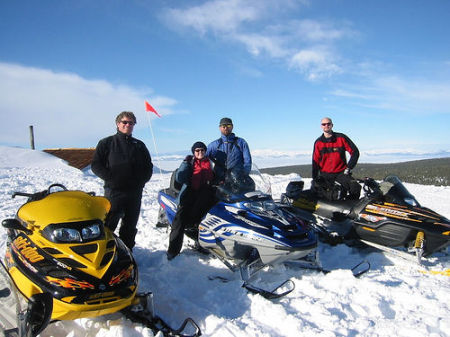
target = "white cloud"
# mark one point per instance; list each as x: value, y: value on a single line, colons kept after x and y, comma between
x: 393, y: 93
x: 66, y: 109
x: 258, y: 43
x: 265, y: 28
x: 220, y: 16
x: 316, y: 64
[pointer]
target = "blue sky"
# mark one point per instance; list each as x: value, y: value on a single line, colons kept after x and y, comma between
x: 379, y: 69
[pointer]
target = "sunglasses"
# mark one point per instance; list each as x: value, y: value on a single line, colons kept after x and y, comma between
x: 127, y: 122
x: 199, y: 150
x: 325, y: 124
x: 226, y: 125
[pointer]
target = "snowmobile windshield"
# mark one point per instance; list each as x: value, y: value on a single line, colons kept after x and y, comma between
x: 397, y: 192
x: 238, y: 185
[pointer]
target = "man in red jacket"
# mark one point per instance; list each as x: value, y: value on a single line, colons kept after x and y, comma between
x: 329, y: 162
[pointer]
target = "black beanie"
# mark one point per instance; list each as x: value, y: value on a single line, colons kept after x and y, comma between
x: 225, y: 120
x: 198, y: 145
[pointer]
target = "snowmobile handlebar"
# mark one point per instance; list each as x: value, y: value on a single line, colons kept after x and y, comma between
x: 370, y: 186
x: 22, y: 194
x: 42, y: 194
x: 36, y: 195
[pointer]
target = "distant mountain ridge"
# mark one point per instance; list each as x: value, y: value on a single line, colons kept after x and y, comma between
x: 426, y: 172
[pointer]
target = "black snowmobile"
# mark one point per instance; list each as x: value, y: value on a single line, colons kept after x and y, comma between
x: 58, y: 246
x: 386, y: 217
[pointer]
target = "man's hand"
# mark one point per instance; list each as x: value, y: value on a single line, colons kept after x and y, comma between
x: 347, y: 171
x: 319, y: 180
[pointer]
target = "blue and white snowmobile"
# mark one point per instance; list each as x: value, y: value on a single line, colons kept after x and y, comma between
x: 245, y: 229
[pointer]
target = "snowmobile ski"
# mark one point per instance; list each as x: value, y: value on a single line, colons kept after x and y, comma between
x: 394, y: 252
x: 143, y: 313
x: 358, y: 270
x: 276, y: 293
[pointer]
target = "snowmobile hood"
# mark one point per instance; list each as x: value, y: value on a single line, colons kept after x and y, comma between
x: 61, y: 207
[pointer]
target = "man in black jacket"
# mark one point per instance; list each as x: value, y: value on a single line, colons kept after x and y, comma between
x: 125, y: 165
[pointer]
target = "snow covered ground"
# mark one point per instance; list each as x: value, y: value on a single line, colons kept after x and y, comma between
x: 393, y: 299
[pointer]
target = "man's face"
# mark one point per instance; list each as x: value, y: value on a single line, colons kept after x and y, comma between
x: 326, y: 125
x: 226, y: 129
x: 126, y: 126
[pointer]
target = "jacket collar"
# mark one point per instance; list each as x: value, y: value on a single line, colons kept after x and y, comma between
x: 228, y: 138
x: 331, y: 139
x: 123, y: 135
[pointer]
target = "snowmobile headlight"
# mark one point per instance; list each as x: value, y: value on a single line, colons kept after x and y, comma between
x: 67, y: 235
x: 80, y: 231
x: 91, y: 232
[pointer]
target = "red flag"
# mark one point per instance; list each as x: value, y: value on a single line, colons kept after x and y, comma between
x: 148, y: 107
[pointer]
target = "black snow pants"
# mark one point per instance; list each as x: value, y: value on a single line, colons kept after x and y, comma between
x: 193, y: 207
x: 125, y: 205
x: 352, y: 189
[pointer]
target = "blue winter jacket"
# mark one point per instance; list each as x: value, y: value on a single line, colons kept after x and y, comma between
x: 230, y: 152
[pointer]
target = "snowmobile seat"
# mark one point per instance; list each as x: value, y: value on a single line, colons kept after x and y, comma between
x: 294, y: 189
x: 335, y: 210
x: 174, y: 187
x: 174, y: 184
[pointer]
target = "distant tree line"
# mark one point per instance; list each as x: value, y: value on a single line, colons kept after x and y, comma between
x: 424, y: 172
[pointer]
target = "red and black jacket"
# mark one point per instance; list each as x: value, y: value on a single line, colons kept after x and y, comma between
x: 329, y: 154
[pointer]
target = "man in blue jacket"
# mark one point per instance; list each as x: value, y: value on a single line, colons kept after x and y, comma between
x: 229, y: 152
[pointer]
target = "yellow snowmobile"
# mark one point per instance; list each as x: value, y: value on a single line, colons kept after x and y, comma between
x: 58, y: 245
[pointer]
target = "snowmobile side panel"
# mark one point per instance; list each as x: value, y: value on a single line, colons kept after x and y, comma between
x: 387, y: 233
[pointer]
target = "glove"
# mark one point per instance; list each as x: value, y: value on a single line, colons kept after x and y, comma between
x: 347, y: 171
x: 188, y: 158
x: 319, y: 180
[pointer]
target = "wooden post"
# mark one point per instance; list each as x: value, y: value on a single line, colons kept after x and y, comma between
x: 32, y: 137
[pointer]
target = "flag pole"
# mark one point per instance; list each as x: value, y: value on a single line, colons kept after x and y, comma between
x: 149, y: 108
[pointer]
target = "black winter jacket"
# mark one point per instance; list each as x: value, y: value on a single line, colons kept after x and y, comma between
x: 123, y: 162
